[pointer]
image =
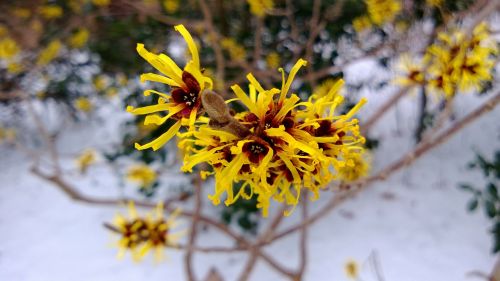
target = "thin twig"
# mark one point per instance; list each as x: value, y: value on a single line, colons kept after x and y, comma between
x: 303, y: 239
x: 188, y: 256
x: 215, y: 37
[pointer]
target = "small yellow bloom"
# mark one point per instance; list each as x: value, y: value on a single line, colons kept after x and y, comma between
x: 84, y: 104
x: 7, y: 135
x: 140, y: 235
x: 356, y: 167
x: 101, y: 82
x: 273, y: 60
x: 111, y: 92
x: 76, y: 5
x: 101, y: 3
x: 8, y: 48
x: 361, y: 24
x: 15, y: 67
x: 142, y: 175
x: 84, y: 160
x: 49, y: 53
x: 461, y: 63
x: 352, y: 269
x: 171, y: 6
x: 121, y: 79
x: 79, y: 38
x: 383, y: 11
x: 434, y: 3
x: 324, y: 88
x: 22, y: 13
x: 235, y: 50
x: 411, y: 71
x: 260, y: 7
x: 50, y: 12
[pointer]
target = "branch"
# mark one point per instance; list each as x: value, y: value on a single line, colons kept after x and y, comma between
x: 188, y: 257
x: 215, y: 38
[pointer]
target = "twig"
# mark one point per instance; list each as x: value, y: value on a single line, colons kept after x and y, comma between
x: 77, y: 196
x: 376, y: 266
x: 303, y: 239
x: 383, y: 109
x: 188, y: 256
x: 257, y: 51
x: 254, y: 250
x: 214, y: 38
x: 421, y: 115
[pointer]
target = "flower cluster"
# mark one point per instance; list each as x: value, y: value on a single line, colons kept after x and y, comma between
x: 455, y: 62
x: 279, y: 145
x: 260, y: 7
x: 85, y: 160
x: 142, y: 175
x: 379, y: 13
x: 140, y: 235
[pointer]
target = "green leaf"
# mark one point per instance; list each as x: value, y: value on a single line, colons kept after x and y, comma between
x: 472, y: 205
x: 492, y: 191
x: 490, y: 209
x: 466, y: 186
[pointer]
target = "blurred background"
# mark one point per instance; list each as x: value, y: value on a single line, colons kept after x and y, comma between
x: 429, y: 69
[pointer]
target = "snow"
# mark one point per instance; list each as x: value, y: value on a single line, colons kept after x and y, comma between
x: 416, y: 221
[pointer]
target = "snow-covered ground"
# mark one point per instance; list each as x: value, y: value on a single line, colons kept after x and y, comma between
x: 416, y: 222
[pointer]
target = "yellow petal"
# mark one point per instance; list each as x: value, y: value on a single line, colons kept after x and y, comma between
x: 286, y: 86
x: 190, y: 42
x: 160, y: 141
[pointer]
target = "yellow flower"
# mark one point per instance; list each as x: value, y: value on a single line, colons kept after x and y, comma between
x: 84, y: 160
x: 84, y: 104
x: 7, y: 135
x: 352, y: 269
x: 411, y: 71
x: 76, y: 5
x: 356, y: 167
x: 324, y: 88
x: 236, y: 51
x: 121, y: 79
x: 22, y: 13
x: 50, y: 12
x: 184, y: 103
x: 142, y: 175
x: 15, y: 67
x: 101, y: 82
x: 382, y: 11
x: 8, y: 48
x: 171, y: 6
x: 260, y: 7
x: 273, y: 60
x: 274, y: 149
x: 361, y: 24
x: 79, y: 38
x: 111, y: 92
x: 459, y: 63
x: 434, y: 3
x: 101, y: 3
x: 142, y: 234
x: 49, y: 53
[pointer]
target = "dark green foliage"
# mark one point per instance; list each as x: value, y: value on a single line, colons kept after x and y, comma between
x: 244, y: 212
x: 487, y: 197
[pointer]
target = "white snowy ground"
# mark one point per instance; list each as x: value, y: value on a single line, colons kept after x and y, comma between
x: 416, y: 221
